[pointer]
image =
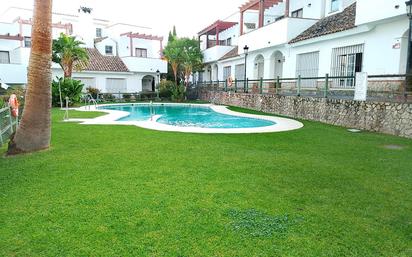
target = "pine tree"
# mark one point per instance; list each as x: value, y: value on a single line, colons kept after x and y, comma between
x: 170, y: 38
x: 174, y: 31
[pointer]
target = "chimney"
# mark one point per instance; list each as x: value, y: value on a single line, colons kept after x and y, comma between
x: 86, y: 30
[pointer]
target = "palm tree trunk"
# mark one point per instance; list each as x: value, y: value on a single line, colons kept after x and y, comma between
x: 34, y: 131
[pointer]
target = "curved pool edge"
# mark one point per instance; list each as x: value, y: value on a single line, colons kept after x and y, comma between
x: 112, y: 117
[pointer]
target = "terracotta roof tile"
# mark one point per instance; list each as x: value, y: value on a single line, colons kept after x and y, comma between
x: 336, y: 23
x: 232, y: 53
x: 99, y: 62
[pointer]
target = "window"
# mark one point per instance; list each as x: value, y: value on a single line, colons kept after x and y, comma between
x: 87, y: 82
x: 229, y: 41
x: 334, y: 5
x: 115, y: 85
x: 240, y: 74
x: 98, y: 32
x: 227, y: 72
x: 141, y: 52
x: 297, y: 13
x: 307, y: 66
x: 109, y: 50
x: 27, y: 41
x: 4, y: 57
x: 346, y: 61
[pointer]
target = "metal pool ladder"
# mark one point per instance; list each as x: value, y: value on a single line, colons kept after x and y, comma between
x: 91, y: 101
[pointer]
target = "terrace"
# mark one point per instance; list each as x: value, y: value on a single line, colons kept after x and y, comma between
x: 214, y: 45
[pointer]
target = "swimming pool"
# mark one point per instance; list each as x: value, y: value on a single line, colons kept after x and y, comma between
x: 191, y: 118
x: 187, y: 116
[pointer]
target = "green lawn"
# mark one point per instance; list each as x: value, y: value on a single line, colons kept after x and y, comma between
x: 127, y: 191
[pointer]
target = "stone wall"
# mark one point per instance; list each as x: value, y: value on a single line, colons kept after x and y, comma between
x: 385, y: 117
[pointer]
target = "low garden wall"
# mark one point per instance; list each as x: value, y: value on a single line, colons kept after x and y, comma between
x: 385, y: 117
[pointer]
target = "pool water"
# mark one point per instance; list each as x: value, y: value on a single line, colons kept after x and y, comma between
x: 187, y: 116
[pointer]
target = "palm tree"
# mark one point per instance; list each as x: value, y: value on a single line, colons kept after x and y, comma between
x: 34, y: 131
x: 174, y: 55
x: 192, y: 57
x: 69, y: 53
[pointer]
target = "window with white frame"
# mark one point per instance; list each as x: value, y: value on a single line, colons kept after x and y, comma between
x: 227, y: 72
x: 346, y: 62
x: 4, y: 57
x: 116, y: 85
x: 141, y: 52
x: 27, y: 41
x: 98, y: 32
x: 334, y: 5
x: 109, y: 50
x: 297, y: 13
x: 307, y: 66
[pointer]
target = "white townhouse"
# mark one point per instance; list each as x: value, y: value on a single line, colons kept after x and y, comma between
x: 310, y: 38
x: 123, y: 57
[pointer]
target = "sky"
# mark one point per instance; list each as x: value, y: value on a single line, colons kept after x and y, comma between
x: 189, y: 16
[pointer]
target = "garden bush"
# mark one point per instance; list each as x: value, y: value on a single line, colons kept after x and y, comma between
x: 178, y: 93
x: 166, y: 88
x: 94, y: 92
x: 70, y: 88
x: 127, y: 97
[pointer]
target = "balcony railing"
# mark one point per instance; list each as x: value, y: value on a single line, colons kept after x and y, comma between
x: 276, y: 33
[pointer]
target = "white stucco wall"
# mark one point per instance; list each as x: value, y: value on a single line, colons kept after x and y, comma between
x: 133, y: 80
x: 374, y: 10
x: 101, y: 46
x: 380, y: 56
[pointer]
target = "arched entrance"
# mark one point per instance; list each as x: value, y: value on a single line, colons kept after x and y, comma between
x: 208, y: 73
x: 148, y: 84
x: 215, y: 72
x: 276, y: 62
x: 404, y: 52
x: 259, y: 67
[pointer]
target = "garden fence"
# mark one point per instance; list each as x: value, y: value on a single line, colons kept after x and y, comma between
x: 380, y: 87
x: 7, y: 125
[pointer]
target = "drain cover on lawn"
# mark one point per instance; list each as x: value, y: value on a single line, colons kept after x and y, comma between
x: 258, y: 224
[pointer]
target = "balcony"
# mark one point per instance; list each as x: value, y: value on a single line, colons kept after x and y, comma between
x: 277, y: 33
x: 149, y: 65
x: 215, y: 53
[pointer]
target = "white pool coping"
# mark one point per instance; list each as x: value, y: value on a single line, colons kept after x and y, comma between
x: 112, y: 117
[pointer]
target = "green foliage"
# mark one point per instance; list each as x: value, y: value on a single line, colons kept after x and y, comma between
x: 173, y: 52
x: 108, y: 97
x: 166, y: 87
x: 2, y: 102
x: 178, y: 93
x: 94, y: 92
x: 70, y: 88
x: 127, y: 97
x: 192, y: 57
x: 184, y: 54
x: 174, y: 31
x: 69, y: 53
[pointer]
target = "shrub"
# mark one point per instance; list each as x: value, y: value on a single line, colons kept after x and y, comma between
x: 94, y: 92
x: 178, y: 93
x: 127, y: 97
x: 1, y: 102
x: 166, y: 87
x: 70, y: 88
x: 108, y: 97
